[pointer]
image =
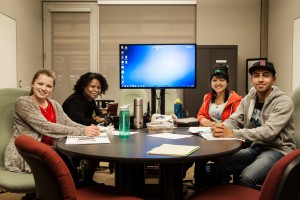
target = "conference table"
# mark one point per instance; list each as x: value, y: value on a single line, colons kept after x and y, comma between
x: 130, y: 156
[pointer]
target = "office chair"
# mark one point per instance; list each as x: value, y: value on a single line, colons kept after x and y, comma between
x: 296, y: 99
x: 11, y: 181
x: 112, y: 109
x: 281, y: 183
x: 53, y: 179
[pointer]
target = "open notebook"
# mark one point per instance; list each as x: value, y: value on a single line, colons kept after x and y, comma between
x: 102, y: 138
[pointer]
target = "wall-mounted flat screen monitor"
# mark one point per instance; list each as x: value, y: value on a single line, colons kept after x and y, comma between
x: 157, y: 66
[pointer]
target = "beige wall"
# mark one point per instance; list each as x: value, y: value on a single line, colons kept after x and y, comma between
x: 231, y: 22
x: 228, y: 22
x: 281, y: 19
x: 28, y: 15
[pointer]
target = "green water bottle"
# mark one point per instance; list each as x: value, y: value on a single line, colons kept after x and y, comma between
x: 124, y: 122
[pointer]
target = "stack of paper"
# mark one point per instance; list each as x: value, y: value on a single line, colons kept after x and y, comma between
x: 102, y: 138
x: 174, y: 150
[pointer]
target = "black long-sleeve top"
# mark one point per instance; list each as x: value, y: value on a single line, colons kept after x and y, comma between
x: 81, y: 110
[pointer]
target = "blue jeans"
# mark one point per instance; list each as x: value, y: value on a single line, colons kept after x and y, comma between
x: 253, y: 164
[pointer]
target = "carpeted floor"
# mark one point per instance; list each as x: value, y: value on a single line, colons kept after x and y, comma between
x: 104, y: 176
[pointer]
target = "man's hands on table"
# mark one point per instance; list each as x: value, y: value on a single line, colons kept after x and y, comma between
x: 220, y: 130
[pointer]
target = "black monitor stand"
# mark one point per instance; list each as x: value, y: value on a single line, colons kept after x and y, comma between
x: 162, y: 101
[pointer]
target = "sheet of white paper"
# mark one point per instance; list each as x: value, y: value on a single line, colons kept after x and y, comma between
x: 206, y: 133
x: 209, y: 136
x: 118, y: 133
x: 170, y: 135
x: 199, y: 129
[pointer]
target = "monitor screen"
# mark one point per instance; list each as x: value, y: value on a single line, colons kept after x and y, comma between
x: 157, y: 65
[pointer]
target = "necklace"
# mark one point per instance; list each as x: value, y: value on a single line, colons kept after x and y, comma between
x: 219, y: 102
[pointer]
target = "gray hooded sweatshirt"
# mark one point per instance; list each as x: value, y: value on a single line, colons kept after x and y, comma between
x: 277, y: 121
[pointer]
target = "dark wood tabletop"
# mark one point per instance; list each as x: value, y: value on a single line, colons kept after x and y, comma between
x: 130, y: 153
x: 134, y: 149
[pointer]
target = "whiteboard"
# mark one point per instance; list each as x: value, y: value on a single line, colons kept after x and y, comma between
x: 8, y: 52
x: 296, y: 54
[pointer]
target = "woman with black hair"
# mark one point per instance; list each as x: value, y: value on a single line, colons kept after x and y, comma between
x: 217, y: 106
x: 81, y: 108
x: 220, y: 103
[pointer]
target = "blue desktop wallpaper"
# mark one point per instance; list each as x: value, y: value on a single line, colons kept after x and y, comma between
x: 157, y: 65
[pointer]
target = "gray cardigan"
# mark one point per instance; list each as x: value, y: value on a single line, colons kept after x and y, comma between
x: 29, y: 120
x: 277, y: 123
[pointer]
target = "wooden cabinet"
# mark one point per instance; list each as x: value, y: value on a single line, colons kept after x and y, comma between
x: 207, y: 55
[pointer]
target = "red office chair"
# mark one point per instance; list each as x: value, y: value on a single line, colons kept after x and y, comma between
x: 53, y: 179
x: 281, y: 183
x: 112, y: 109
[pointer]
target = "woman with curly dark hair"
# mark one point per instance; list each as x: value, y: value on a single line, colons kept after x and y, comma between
x: 81, y: 106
